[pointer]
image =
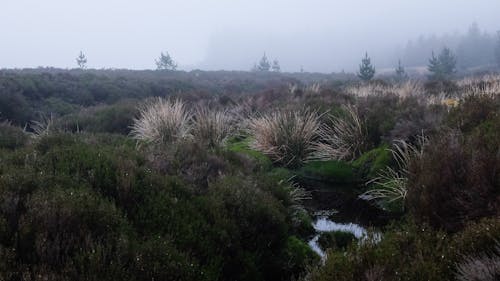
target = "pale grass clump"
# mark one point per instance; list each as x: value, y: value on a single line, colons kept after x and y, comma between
x: 391, y: 185
x: 480, y: 268
x: 403, y: 90
x: 287, y: 137
x: 343, y: 138
x: 297, y: 195
x: 43, y: 128
x: 212, y: 127
x: 162, y: 121
x: 312, y: 89
x: 486, y: 85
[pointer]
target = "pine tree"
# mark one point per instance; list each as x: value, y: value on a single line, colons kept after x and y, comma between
x: 444, y: 65
x: 366, y: 70
x: 448, y: 61
x: 497, y: 49
x: 81, y: 60
x: 264, y: 64
x: 276, y: 66
x: 165, y: 62
x: 400, y: 72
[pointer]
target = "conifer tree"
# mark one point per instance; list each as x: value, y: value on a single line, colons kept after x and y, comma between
x: 264, y: 64
x: 165, y: 62
x: 366, y: 70
x: 276, y: 66
x: 444, y: 65
x: 81, y: 60
x: 400, y: 72
x: 497, y: 49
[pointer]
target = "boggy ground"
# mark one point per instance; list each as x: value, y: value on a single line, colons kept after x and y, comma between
x: 214, y: 180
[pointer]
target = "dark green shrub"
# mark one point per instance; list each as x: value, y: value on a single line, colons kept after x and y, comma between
x: 116, y: 118
x: 299, y: 255
x: 406, y: 253
x: 12, y: 137
x: 158, y: 259
x: 67, y: 230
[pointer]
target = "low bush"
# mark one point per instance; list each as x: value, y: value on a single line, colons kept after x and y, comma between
x: 12, y: 137
x: 455, y: 181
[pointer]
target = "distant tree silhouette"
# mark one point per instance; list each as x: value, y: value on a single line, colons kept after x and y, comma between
x: 400, y: 72
x: 444, y: 65
x: 276, y: 66
x: 165, y: 62
x: 366, y: 69
x: 497, y: 49
x: 81, y: 60
x: 264, y: 64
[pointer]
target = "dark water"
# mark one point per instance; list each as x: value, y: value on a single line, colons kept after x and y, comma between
x: 336, y: 207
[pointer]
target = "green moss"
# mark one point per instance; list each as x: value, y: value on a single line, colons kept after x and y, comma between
x: 243, y: 146
x: 369, y: 164
x: 329, y: 171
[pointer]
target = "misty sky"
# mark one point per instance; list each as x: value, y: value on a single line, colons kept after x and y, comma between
x: 319, y: 35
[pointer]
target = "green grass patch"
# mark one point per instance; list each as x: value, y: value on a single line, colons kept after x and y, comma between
x: 329, y: 171
x: 242, y: 145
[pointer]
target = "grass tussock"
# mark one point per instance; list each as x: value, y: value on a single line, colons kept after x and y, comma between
x: 343, y: 138
x: 212, y: 128
x: 391, y: 184
x: 287, y: 137
x: 162, y: 121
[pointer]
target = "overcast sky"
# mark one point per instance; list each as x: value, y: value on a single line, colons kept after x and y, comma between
x: 319, y: 35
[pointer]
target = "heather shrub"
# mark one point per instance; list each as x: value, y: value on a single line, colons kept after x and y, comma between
x: 117, y: 118
x: 474, y: 110
x: 287, y: 137
x: 68, y: 229
x: 12, y: 137
x: 404, y: 253
x: 455, y: 181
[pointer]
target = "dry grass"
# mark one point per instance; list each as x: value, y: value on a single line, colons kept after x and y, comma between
x: 162, y: 121
x: 480, y: 268
x: 44, y: 127
x: 391, y: 185
x: 343, y: 139
x: 485, y: 85
x: 402, y: 90
x: 212, y: 128
x: 287, y: 137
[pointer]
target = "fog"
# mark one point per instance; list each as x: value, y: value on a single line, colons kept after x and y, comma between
x: 317, y: 35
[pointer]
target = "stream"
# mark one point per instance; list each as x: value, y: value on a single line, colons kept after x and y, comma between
x: 337, y: 208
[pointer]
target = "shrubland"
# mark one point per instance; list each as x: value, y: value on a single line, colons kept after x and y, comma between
x: 116, y: 175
